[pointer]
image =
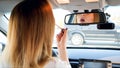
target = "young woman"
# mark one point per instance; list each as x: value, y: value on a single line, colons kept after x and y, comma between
x: 30, y: 37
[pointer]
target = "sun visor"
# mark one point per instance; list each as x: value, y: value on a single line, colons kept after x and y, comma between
x: 82, y: 4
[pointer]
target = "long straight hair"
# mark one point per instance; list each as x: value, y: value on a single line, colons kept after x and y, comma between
x: 30, y: 34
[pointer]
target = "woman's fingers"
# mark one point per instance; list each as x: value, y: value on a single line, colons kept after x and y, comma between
x: 61, y: 37
x: 65, y: 33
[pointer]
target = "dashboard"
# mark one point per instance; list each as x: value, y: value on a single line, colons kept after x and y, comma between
x: 76, y: 53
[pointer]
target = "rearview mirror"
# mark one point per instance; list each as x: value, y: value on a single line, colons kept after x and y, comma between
x: 85, y: 18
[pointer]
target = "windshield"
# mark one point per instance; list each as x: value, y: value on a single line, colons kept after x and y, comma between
x: 90, y: 36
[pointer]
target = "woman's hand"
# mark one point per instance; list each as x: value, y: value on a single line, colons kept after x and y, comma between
x: 61, y: 40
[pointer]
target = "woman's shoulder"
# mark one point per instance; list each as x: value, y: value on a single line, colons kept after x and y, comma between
x: 57, y: 63
x: 4, y: 63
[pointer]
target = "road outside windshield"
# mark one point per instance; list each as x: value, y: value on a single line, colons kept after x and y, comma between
x: 90, y: 36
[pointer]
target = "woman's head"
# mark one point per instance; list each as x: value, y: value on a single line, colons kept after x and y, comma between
x: 30, y: 35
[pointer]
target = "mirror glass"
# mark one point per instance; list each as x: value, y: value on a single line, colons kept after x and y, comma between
x: 83, y: 18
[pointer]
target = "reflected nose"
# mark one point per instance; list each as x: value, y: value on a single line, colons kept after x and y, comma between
x: 82, y: 14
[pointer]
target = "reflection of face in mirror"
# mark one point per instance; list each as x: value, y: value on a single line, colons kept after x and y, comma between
x: 87, y: 18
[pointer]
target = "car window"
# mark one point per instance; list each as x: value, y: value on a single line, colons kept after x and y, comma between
x: 59, y: 15
x: 2, y: 41
x: 7, y: 15
x: 114, y: 12
x: 2, y: 37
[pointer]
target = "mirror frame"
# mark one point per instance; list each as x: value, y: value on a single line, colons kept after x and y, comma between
x: 102, y: 18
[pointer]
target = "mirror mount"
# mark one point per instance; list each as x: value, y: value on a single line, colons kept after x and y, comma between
x: 86, y: 11
x: 96, y: 10
x: 75, y: 11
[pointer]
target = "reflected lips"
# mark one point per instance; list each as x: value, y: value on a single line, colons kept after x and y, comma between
x: 82, y: 20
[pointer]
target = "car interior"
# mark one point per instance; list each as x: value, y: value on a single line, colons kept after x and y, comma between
x: 90, y: 43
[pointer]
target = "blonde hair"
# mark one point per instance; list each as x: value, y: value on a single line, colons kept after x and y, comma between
x: 30, y: 34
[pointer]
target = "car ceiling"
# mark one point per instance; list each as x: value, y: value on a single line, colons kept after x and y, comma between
x: 81, y: 5
x: 7, y: 5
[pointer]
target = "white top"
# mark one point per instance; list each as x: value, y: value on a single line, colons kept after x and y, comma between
x: 56, y: 63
